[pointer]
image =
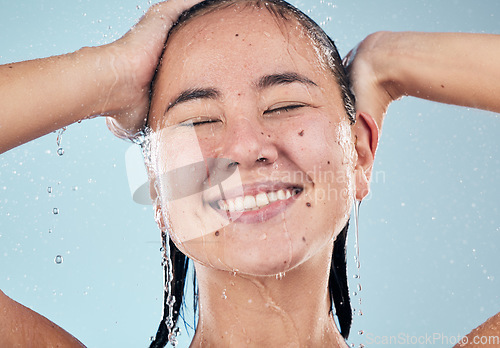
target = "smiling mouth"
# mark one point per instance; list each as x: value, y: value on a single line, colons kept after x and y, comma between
x: 255, y: 202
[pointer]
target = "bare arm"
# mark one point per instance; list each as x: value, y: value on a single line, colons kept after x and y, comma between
x: 453, y: 68
x: 485, y: 335
x: 43, y: 95
x: 40, y: 96
x: 22, y: 327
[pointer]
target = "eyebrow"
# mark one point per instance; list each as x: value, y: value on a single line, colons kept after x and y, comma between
x: 283, y: 79
x: 264, y: 82
x: 194, y: 93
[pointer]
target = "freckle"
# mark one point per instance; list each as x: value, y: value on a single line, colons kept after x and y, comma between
x: 284, y: 261
x: 308, y: 204
x: 269, y: 135
x: 237, y: 35
x: 328, y: 162
x: 262, y: 133
x: 442, y: 86
x: 304, y: 239
x: 10, y: 66
x: 216, y: 233
x: 301, y: 133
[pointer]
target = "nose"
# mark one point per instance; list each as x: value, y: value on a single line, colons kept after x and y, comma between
x: 247, y: 144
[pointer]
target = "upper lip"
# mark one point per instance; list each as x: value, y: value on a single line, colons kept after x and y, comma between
x: 252, y: 190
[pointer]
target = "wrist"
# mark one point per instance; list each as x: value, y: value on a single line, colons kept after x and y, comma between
x: 103, y: 86
x: 387, y: 50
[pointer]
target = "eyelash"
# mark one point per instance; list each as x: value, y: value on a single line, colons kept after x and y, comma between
x: 270, y: 111
x: 192, y: 123
x: 284, y: 108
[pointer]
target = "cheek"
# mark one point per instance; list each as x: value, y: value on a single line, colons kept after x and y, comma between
x: 320, y: 146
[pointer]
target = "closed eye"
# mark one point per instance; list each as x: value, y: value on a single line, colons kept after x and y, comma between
x: 285, y: 108
x: 197, y: 122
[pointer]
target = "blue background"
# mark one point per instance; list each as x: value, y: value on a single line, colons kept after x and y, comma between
x: 429, y: 231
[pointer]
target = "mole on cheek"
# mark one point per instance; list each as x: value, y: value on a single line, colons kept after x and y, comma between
x: 304, y: 239
x: 308, y: 204
x: 216, y: 233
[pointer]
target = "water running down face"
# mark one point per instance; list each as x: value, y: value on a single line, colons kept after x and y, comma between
x: 252, y: 149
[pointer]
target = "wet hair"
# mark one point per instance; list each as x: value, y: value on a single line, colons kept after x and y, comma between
x: 337, y: 283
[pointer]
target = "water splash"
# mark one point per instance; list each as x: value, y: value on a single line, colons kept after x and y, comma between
x: 357, y: 276
x: 356, y: 221
x: 60, y: 150
x: 168, y: 277
x: 58, y: 259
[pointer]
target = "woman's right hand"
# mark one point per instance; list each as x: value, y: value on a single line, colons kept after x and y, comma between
x: 133, y: 59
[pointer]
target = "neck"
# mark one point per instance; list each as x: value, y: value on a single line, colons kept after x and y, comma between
x: 291, y: 311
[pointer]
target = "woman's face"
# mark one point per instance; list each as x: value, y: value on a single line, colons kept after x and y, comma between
x: 252, y: 150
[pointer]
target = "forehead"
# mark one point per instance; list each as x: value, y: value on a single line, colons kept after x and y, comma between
x: 238, y: 44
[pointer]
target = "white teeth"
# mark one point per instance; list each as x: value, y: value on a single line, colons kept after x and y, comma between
x: 281, y: 195
x: 238, y: 204
x: 230, y: 205
x: 248, y: 203
x: 273, y: 197
x: 261, y: 199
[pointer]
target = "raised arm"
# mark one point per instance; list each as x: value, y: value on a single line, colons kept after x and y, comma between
x: 453, y: 68
x: 42, y: 95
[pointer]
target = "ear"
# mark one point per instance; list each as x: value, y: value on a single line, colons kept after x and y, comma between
x: 366, y: 134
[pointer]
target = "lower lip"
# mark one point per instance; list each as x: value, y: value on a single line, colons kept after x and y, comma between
x: 260, y: 215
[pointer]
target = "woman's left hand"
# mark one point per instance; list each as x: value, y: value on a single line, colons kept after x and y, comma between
x: 372, y: 92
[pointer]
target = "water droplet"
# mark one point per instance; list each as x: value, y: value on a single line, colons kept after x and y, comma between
x: 60, y: 151
x: 360, y: 313
x: 359, y: 287
x: 49, y: 189
x: 356, y: 276
x: 58, y: 259
x: 55, y: 211
x: 138, y: 7
x: 75, y: 188
x: 50, y: 230
x: 360, y: 332
x: 224, y: 296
